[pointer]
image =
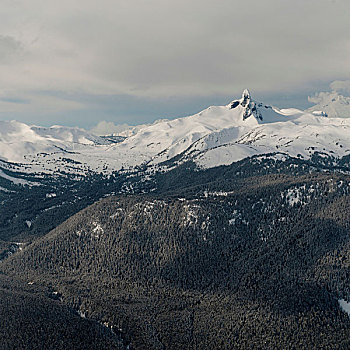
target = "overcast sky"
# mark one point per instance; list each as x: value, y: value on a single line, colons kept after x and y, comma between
x: 78, y: 62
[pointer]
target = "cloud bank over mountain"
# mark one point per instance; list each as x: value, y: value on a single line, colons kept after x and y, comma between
x: 336, y: 103
x: 63, y: 59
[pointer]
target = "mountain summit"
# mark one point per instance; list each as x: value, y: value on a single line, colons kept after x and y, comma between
x: 250, y: 106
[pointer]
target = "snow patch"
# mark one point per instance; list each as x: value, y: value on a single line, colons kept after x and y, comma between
x: 236, y: 215
x: 298, y: 195
x: 190, y: 217
x: 345, y: 306
x: 97, y: 230
x: 3, y: 189
x: 16, y: 180
x: 82, y: 314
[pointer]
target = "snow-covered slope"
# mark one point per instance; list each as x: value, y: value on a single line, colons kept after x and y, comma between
x: 302, y: 137
x: 18, y: 140
x: 218, y: 135
x: 167, y: 139
x: 66, y: 134
x: 104, y: 128
x: 40, y: 149
x: 224, y: 134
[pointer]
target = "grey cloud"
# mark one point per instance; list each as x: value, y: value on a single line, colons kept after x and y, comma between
x: 342, y: 86
x: 266, y: 45
x: 9, y: 48
x: 339, y: 90
x: 323, y: 97
x: 335, y: 102
x: 18, y: 100
x: 200, y: 50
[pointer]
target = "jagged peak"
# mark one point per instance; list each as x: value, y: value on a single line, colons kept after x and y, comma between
x: 250, y: 106
x: 244, y: 101
x: 246, y: 94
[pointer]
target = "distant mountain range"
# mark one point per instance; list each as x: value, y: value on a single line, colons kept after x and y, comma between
x: 219, y: 135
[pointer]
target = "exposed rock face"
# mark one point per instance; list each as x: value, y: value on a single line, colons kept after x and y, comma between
x: 249, y: 105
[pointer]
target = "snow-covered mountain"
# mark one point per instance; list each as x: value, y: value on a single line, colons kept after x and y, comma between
x: 216, y: 136
x: 224, y: 134
x: 107, y: 129
x: 18, y: 140
x: 41, y: 149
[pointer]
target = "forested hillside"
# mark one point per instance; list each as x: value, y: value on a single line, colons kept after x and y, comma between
x: 33, y: 318
x: 225, y: 258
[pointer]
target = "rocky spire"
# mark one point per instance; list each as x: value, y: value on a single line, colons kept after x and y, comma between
x: 249, y: 105
x: 245, y: 98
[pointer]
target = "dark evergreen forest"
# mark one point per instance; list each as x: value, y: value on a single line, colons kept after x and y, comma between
x: 250, y: 256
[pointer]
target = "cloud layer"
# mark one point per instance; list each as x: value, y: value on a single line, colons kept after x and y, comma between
x: 158, y: 49
x: 336, y: 103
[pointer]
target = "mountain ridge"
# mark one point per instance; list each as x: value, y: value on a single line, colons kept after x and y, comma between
x: 218, y: 135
